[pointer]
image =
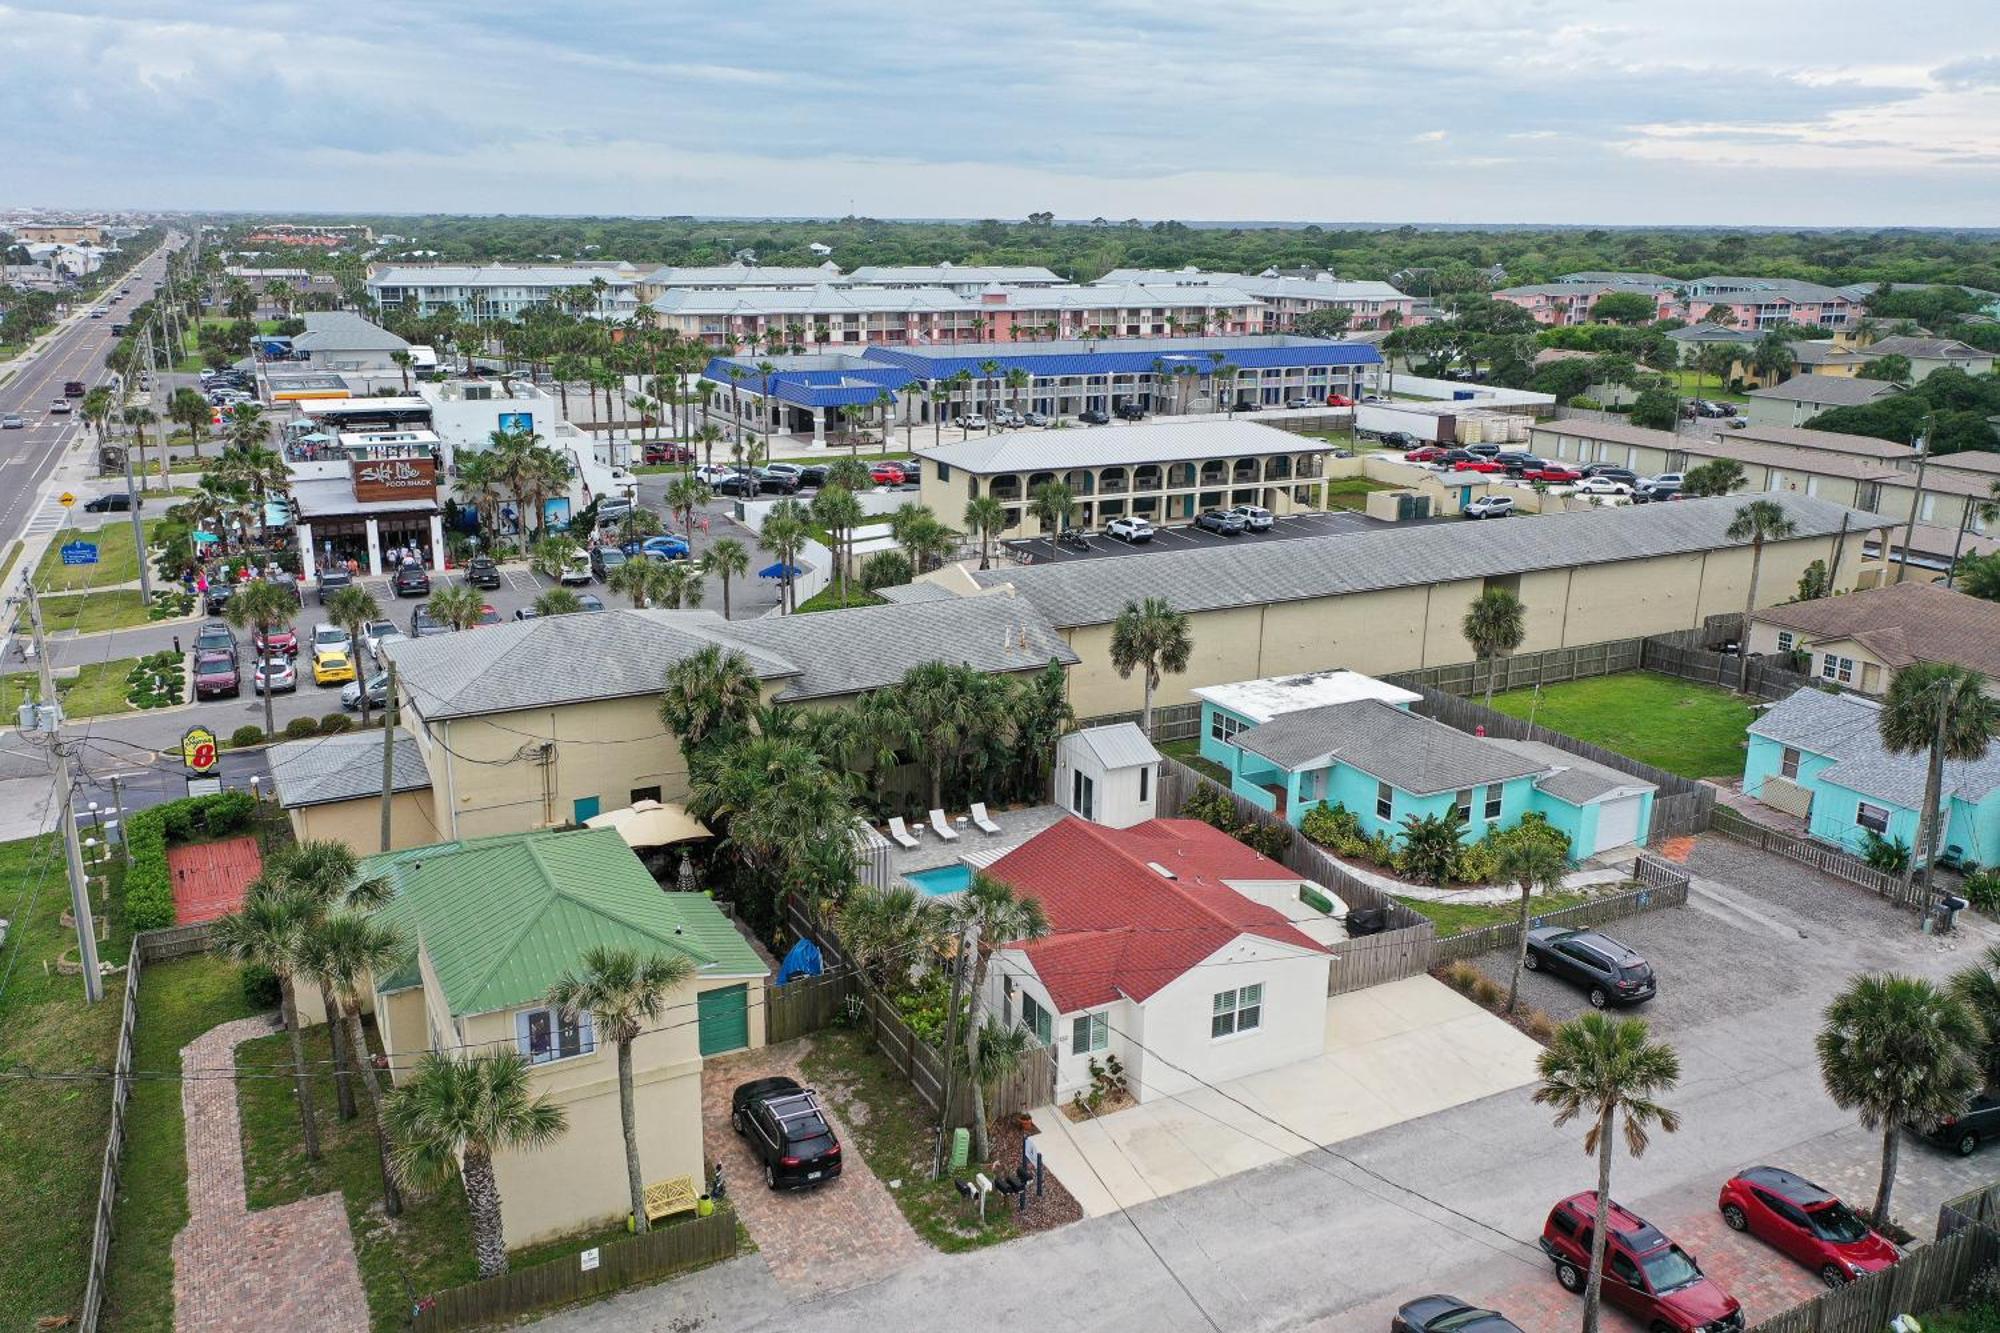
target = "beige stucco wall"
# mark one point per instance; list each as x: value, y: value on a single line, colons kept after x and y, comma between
x: 358, y: 823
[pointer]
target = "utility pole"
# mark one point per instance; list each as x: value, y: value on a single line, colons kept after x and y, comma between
x: 950, y: 1053
x: 79, y: 892
x: 132, y: 495
x: 118, y: 810
x: 388, y: 752
x: 1916, y: 500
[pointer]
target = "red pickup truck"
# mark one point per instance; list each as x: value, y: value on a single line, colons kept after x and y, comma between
x: 1557, y: 476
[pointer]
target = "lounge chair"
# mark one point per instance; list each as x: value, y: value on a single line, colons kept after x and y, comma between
x: 942, y: 826
x: 981, y: 820
x: 900, y: 832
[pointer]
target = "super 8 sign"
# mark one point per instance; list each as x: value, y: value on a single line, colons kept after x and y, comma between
x: 198, y: 749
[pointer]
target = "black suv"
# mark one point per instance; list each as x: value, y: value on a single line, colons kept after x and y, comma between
x: 215, y: 637
x: 217, y: 599
x: 1612, y: 973
x: 1131, y: 411
x: 738, y: 483
x: 1964, y: 1132
x: 332, y: 581
x: 411, y: 581
x: 481, y: 572
x: 787, y: 1131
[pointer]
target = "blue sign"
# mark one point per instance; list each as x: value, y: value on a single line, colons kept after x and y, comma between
x: 520, y: 423
x: 79, y: 553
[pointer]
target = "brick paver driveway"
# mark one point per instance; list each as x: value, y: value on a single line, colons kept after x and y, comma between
x: 839, y: 1236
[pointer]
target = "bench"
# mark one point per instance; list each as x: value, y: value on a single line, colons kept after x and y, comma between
x: 667, y: 1197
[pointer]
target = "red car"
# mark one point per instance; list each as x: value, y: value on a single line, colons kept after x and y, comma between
x: 1812, y: 1226
x: 886, y: 474
x: 1478, y: 465
x: 488, y: 615
x: 668, y: 453
x: 1558, y: 476
x: 1644, y: 1272
x: 1339, y: 400
x: 1423, y: 455
x: 281, y: 639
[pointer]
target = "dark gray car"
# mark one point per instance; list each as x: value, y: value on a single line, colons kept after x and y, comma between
x: 1609, y: 972
x: 1449, y: 1314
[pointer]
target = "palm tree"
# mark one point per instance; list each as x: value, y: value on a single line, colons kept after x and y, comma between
x: 727, y: 559
x: 1532, y: 863
x: 707, y: 692
x: 642, y: 578
x: 186, y: 408
x: 268, y: 932
x: 1772, y: 355
x: 835, y: 509
x: 138, y: 417
x: 785, y: 534
x: 686, y: 494
x: 1715, y: 359
x: 351, y: 608
x: 558, y: 601
x: 985, y: 517
x: 992, y: 916
x: 346, y: 951
x: 1899, y: 1051
x: 1977, y: 985
x: 402, y: 359
x: 1051, y: 503
x: 458, y: 606
x: 1495, y: 625
x: 1018, y: 378
x: 451, y: 1116
x: 1942, y: 710
x: 623, y: 993
x: 263, y: 606
x: 1756, y: 522
x: 883, y: 927
x: 1601, y: 1067
x: 1152, y: 636
x: 568, y: 369
x: 680, y: 585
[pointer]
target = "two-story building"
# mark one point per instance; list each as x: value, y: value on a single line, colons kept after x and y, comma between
x: 1803, y: 397
x: 485, y: 292
x: 1761, y: 303
x: 1860, y: 641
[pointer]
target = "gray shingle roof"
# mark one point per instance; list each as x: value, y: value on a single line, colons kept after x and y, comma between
x: 341, y: 768
x: 1125, y: 446
x: 1573, y: 778
x: 1412, y: 753
x: 344, y: 331
x: 1209, y: 578
x: 866, y: 648
x: 905, y: 593
x: 1931, y: 349
x: 1833, y: 390
x: 1831, y: 441
x: 1846, y: 729
x: 1120, y: 745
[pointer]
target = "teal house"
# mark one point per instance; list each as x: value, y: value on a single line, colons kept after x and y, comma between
x: 1290, y: 742
x: 1819, y: 756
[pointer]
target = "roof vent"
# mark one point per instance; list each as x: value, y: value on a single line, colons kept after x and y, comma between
x: 1161, y: 870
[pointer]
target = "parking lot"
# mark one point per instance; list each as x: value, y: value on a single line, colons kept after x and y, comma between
x: 1039, y: 550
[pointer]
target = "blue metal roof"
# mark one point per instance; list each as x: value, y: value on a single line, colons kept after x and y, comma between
x: 1109, y: 359
x: 848, y: 384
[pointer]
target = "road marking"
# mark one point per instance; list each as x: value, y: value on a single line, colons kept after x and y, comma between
x: 521, y: 580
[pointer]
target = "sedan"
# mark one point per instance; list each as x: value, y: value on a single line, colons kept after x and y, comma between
x: 1602, y: 486
x: 1477, y: 464
x: 423, y: 624
x: 777, y: 479
x: 1448, y: 1314
x: 741, y: 484
x: 1224, y: 521
x: 1094, y: 417
x: 412, y: 580
x: 488, y: 615
x: 665, y: 546
x: 1610, y: 972
x: 1805, y: 1222
x: 482, y: 572
x: 1297, y: 403
x: 589, y: 601
x: 373, y: 633
x: 62, y: 407
x: 13, y: 421
x: 1429, y: 453
x: 109, y: 504
x: 332, y: 666
x: 327, y: 635
x: 1034, y: 419
x: 378, y: 692
x: 274, y: 675
x: 1134, y: 530
x: 1611, y: 470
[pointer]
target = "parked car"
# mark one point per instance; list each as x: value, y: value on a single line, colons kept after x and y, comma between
x: 382, y: 643
x: 589, y: 601
x: 1483, y: 449
x: 710, y: 474
x: 1611, y: 470
x: 656, y: 454
x: 1131, y: 411
x: 1610, y: 972
x: 274, y: 675
x: 1964, y: 1132
x: 1448, y: 1314
x: 1245, y: 405
x: 1517, y: 461
x: 1094, y: 417
x: 1399, y: 439
x: 1009, y: 418
x: 1034, y: 419
x: 1295, y: 402
x: 1255, y: 518
x: 411, y: 580
x: 1133, y: 530
x: 216, y: 676
x: 1484, y: 466
x: 61, y: 407
x: 1645, y: 1273
x: 775, y: 481
x: 332, y: 666
x: 482, y: 572
x: 741, y: 484
x: 1339, y: 400
x: 217, y: 598
x: 1425, y: 453
x: 886, y: 474
x: 1705, y: 407
x: 664, y: 546
x: 109, y: 504
x: 813, y: 474
x: 972, y: 422
x: 331, y: 581
x: 1664, y: 481
x: 328, y: 635
x: 1554, y: 474
x: 1225, y: 521
x: 373, y: 633
x: 279, y: 639
x: 423, y: 624
x: 1656, y: 494
x: 378, y: 692
x: 604, y: 559
x: 576, y: 573
x: 1801, y: 1220
x: 214, y: 637
x: 1490, y: 506
x: 788, y: 1132
x: 1602, y: 486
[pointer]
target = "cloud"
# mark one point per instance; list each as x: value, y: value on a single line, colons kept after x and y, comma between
x: 1428, y: 136
x: 1978, y: 72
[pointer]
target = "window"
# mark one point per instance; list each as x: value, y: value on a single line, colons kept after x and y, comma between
x: 1007, y: 1002
x: 1788, y: 763
x: 1463, y: 804
x: 1089, y: 1032
x: 1036, y: 1019
x: 1145, y: 784
x: 1493, y: 801
x: 1222, y: 726
x: 1385, y: 801
x: 1874, y: 818
x: 1082, y: 789
x: 1237, y: 1011
x: 1836, y: 668
x: 645, y: 794
x: 548, y: 1034
x: 1785, y: 640
x: 944, y: 472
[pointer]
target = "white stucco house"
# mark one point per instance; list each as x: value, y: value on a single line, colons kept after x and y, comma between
x: 1108, y: 775
x: 1190, y: 957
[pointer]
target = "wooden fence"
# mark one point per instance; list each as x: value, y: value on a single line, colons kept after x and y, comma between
x: 148, y: 946
x: 1768, y: 678
x: 676, y: 1248
x: 1524, y: 670
x: 1660, y: 885
x: 1980, y: 1207
x: 1927, y: 1278
x: 1171, y: 722
x: 1827, y: 860
x: 806, y: 1004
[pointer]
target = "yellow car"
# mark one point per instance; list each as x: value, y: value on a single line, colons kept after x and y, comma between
x: 331, y: 666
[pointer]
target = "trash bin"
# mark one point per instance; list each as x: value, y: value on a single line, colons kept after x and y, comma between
x: 1948, y: 906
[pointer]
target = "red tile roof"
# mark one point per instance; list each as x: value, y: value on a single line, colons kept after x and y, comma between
x: 1118, y: 927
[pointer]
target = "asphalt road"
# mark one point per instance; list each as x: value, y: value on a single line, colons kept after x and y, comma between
x: 27, y: 457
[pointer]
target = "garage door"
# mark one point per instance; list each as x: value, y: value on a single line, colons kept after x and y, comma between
x: 1618, y: 822
x: 725, y: 1019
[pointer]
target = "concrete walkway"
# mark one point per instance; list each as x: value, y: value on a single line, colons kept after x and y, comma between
x: 286, y: 1267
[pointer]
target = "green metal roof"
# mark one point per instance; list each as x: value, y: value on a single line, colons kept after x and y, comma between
x: 503, y: 917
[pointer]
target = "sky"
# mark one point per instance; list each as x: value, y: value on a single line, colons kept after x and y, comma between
x: 1737, y: 112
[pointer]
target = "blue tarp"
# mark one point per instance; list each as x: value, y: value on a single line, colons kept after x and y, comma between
x: 802, y: 961
x: 779, y: 571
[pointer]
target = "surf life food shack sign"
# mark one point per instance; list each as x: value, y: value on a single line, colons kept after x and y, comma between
x: 379, y: 479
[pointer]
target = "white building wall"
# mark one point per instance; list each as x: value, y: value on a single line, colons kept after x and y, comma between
x: 1175, y: 1026
x: 1116, y: 801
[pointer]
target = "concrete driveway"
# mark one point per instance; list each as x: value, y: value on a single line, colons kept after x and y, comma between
x: 1393, y: 1053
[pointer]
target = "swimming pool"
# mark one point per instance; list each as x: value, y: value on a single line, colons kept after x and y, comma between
x: 940, y: 881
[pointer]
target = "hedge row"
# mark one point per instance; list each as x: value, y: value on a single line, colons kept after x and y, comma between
x: 149, y: 886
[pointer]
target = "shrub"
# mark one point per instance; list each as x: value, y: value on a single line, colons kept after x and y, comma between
x: 301, y: 727
x: 1982, y: 890
x: 1486, y: 991
x: 1431, y: 847
x: 335, y: 723
x: 1381, y: 849
x: 1271, y: 839
x: 260, y: 987
x: 1540, y: 1026
x: 149, y: 892
x: 1585, y: 401
x: 1891, y: 856
x: 1461, y: 976
x: 1331, y: 825
x: 246, y: 735
x: 885, y: 569
x: 1476, y: 864
x: 1212, y: 806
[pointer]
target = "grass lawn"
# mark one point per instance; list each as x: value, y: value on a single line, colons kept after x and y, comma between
x: 430, y: 1244
x: 178, y: 1001
x: 1457, y: 918
x: 117, y: 562
x: 13, y: 554
x: 829, y: 599
x: 1709, y: 389
x: 895, y: 1133
x: 1189, y: 753
x: 51, y: 1134
x: 1352, y: 492
x: 95, y: 612
x: 98, y: 688
x: 1690, y: 729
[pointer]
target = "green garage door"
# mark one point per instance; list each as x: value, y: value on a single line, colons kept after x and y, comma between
x: 725, y: 1019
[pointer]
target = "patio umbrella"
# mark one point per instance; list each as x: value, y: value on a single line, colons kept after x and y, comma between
x: 650, y: 824
x: 780, y: 570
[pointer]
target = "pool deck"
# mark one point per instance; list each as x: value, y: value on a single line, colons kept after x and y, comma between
x: 1016, y: 827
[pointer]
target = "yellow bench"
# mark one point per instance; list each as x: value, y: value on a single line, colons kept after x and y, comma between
x: 667, y: 1197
